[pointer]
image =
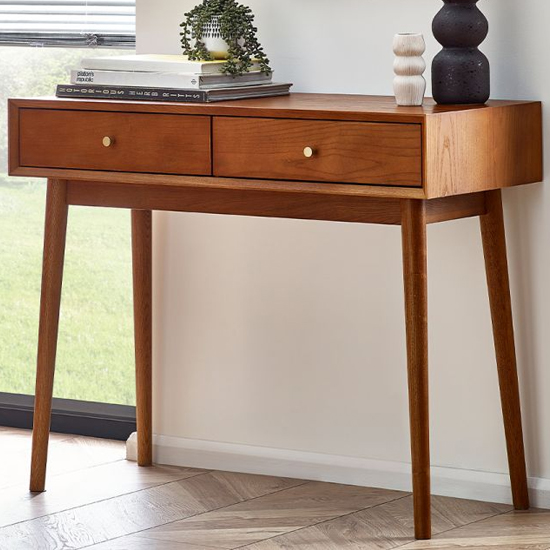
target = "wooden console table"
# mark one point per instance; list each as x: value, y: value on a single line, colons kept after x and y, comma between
x: 307, y: 156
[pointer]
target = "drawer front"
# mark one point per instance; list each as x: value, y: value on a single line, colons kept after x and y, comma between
x: 322, y: 151
x: 152, y: 143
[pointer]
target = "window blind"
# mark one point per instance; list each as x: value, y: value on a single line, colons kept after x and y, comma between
x: 101, y: 23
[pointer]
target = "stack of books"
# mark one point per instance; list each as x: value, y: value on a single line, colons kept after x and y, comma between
x: 165, y: 78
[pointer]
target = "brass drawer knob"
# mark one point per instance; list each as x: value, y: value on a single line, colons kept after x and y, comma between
x: 308, y: 152
x: 107, y: 141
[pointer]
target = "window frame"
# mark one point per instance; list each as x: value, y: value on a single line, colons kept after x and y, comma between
x: 103, y: 420
x: 93, y: 38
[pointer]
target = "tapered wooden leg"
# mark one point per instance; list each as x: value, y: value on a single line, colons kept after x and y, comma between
x: 142, y: 269
x: 496, y: 265
x: 50, y: 299
x: 416, y: 317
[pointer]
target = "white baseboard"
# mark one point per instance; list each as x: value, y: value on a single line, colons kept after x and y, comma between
x: 469, y: 484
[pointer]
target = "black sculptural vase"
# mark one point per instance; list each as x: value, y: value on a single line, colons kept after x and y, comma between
x: 460, y: 72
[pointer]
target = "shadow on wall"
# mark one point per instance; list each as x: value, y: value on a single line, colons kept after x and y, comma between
x: 517, y: 73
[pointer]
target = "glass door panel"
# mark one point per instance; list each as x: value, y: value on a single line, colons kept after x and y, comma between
x: 95, y: 354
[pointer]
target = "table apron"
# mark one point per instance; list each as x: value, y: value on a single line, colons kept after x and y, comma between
x: 268, y: 203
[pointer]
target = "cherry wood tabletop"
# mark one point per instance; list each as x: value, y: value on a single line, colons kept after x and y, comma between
x: 295, y: 105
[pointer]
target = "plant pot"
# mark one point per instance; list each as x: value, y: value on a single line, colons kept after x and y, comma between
x: 460, y: 72
x: 213, y: 41
x: 409, y: 85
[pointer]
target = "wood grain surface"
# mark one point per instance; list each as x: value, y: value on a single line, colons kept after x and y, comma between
x: 479, y: 150
x: 498, y: 284
x: 296, y: 187
x: 415, y: 276
x: 165, y: 144
x: 463, y: 149
x: 510, y: 531
x: 137, y: 543
x: 346, y: 152
x: 50, y: 301
x: 388, y: 525
x: 361, y: 108
x: 262, y: 203
x: 272, y: 515
x: 13, y: 136
x: 455, y: 207
x: 142, y: 268
x: 102, y: 482
x: 148, y: 509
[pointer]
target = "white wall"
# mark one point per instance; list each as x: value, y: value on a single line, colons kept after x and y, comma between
x: 290, y: 334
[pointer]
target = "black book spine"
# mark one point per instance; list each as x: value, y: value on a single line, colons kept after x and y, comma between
x: 131, y: 93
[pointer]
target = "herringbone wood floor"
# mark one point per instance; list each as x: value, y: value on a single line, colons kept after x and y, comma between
x: 96, y: 499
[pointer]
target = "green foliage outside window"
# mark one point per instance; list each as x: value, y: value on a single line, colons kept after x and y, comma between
x: 95, y: 355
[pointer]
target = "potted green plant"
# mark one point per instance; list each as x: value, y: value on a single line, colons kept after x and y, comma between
x: 223, y: 29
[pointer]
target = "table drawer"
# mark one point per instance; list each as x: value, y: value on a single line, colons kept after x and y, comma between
x: 153, y: 143
x: 348, y: 152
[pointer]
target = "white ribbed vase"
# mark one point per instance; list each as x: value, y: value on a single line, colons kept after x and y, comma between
x: 409, y: 85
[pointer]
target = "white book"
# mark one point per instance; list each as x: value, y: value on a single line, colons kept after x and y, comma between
x: 188, y: 81
x: 154, y: 63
